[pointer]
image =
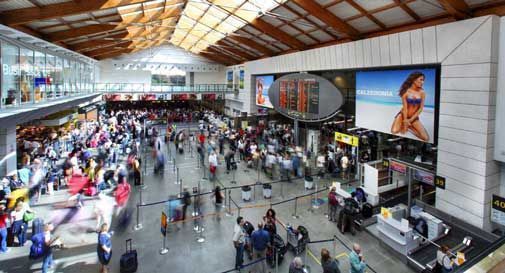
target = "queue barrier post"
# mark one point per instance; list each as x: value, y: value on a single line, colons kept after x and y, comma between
x: 229, y: 213
x: 276, y: 263
x: 334, y: 244
x: 138, y: 226
x: 177, y: 176
x: 296, y: 206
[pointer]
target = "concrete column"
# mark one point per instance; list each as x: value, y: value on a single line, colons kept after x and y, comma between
x: 8, y: 159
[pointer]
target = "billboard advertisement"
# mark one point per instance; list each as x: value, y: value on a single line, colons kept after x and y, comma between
x: 263, y: 83
x: 229, y: 78
x: 398, y: 102
x: 305, y: 97
x: 241, y: 79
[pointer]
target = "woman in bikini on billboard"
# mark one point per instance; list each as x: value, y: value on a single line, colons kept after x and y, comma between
x: 259, y: 96
x: 413, y: 97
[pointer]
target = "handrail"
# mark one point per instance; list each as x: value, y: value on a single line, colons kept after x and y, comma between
x: 154, y: 88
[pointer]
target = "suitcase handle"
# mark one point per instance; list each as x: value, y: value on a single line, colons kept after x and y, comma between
x: 128, y: 243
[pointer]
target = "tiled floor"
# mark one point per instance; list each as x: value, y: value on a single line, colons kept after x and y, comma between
x: 185, y: 254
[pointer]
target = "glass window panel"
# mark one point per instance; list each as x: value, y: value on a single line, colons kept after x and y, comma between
x: 10, y: 74
x: 50, y: 67
x: 40, y: 76
x: 27, y: 81
x: 67, y: 77
x: 58, y: 76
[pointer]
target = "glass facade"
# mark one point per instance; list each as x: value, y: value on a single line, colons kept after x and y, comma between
x: 31, y: 76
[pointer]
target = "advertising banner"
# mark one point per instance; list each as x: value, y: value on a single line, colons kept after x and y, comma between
x: 398, y: 167
x: 263, y: 83
x: 229, y: 78
x: 498, y: 210
x: 398, y: 102
x: 164, y: 224
x: 347, y: 139
x: 241, y: 79
x: 425, y: 177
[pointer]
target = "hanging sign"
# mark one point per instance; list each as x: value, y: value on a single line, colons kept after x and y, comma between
x: 498, y: 210
x: 440, y: 182
x: 347, y: 139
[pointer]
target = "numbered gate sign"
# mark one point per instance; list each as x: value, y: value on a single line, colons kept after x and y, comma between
x: 440, y: 182
x: 498, y: 210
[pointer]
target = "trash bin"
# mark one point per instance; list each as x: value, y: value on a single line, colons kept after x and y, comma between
x: 309, y: 182
x: 246, y: 193
x: 267, y: 191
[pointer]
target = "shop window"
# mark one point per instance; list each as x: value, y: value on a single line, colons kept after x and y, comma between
x: 58, y: 77
x: 67, y: 78
x: 50, y: 65
x: 10, y: 74
x: 40, y: 76
x: 27, y: 76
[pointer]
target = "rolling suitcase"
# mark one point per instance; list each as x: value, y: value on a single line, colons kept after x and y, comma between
x: 367, y: 211
x: 128, y: 262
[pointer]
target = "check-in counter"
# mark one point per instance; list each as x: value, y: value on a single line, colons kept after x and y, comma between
x: 397, y: 233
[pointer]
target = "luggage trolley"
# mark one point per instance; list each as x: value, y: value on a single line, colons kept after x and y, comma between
x: 297, y: 239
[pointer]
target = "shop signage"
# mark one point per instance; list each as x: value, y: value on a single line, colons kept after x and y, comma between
x: 304, y: 97
x: 440, y: 182
x: 498, y: 210
x: 424, y: 177
x: 164, y: 224
x: 347, y: 139
x: 398, y: 167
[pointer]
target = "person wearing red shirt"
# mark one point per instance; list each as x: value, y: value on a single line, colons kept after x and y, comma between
x: 122, y: 195
x: 3, y: 229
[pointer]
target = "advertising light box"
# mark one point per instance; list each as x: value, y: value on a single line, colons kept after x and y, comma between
x: 263, y: 83
x: 398, y: 102
x: 305, y: 97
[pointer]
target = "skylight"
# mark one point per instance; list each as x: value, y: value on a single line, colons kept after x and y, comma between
x: 204, y: 22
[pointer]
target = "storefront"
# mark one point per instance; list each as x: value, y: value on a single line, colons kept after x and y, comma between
x: 32, y: 75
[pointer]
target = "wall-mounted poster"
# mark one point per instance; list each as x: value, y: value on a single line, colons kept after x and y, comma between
x: 398, y: 102
x: 229, y: 78
x: 263, y: 83
x: 241, y: 79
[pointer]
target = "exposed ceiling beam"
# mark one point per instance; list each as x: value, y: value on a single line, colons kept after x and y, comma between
x: 27, y: 15
x: 442, y: 19
x: 495, y: 8
x: 223, y: 54
x: 250, y: 43
x: 96, y: 42
x: 215, y: 59
x: 114, y: 53
x: 277, y: 34
x: 297, y: 13
x: 127, y: 21
x: 328, y: 18
x: 108, y: 49
x: 365, y: 12
x: 236, y: 51
x: 408, y: 10
x: 458, y: 9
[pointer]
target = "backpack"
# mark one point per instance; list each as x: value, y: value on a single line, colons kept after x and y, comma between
x: 38, y: 248
x: 350, y: 206
x: 333, y: 199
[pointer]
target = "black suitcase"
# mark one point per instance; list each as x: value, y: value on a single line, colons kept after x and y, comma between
x: 128, y: 262
x: 37, y: 226
x: 181, y: 150
x: 367, y: 211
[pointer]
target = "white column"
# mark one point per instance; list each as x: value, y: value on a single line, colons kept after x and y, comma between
x: 8, y: 159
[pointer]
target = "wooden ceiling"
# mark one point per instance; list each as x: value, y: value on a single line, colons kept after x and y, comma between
x: 107, y: 28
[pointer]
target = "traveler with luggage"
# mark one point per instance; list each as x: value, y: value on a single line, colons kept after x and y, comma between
x: 49, y: 243
x: 104, y: 248
x: 238, y: 242
x: 348, y: 214
x: 260, y: 239
x: 213, y: 165
x: 356, y: 260
x: 228, y: 158
x: 329, y: 264
x: 218, y: 201
x: 186, y: 201
x: 333, y: 204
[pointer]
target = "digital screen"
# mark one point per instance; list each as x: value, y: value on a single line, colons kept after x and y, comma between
x: 299, y: 95
x: 398, y: 102
x: 263, y: 83
x: 229, y: 78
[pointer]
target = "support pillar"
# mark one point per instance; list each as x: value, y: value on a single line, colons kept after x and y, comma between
x: 8, y: 157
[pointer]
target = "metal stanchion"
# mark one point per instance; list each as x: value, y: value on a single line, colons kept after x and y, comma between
x: 177, y: 176
x: 296, y: 206
x: 198, y: 163
x: 276, y: 263
x: 229, y: 212
x: 305, y: 266
x: 334, y: 244
x: 138, y: 226
x: 164, y: 249
x: 205, y: 173
x: 233, y: 174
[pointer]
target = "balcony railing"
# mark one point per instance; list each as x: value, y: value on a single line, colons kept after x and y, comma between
x: 43, y: 93
x: 150, y: 88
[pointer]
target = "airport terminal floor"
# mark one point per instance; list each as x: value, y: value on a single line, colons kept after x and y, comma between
x: 253, y: 136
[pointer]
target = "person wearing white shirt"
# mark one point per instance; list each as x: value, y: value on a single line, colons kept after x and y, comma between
x: 213, y: 165
x: 238, y: 242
